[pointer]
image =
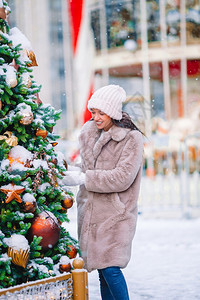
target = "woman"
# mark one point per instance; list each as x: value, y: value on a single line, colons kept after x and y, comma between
x: 111, y: 148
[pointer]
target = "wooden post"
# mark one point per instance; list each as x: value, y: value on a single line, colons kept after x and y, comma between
x: 80, y: 280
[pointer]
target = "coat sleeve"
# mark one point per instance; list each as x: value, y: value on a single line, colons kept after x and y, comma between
x: 123, y: 175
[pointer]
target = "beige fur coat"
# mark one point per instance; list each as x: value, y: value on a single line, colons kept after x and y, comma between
x: 107, y: 203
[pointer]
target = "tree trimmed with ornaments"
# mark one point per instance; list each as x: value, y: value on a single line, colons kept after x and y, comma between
x: 33, y: 200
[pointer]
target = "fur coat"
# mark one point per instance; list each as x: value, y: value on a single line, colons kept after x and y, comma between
x: 107, y: 203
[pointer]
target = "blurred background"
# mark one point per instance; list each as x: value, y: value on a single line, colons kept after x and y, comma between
x: 151, y: 49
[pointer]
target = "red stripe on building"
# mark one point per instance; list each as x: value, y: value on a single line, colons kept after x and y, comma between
x: 76, y: 11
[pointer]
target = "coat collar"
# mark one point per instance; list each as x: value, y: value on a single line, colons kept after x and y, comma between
x: 103, y: 137
x: 92, y: 140
x: 118, y: 133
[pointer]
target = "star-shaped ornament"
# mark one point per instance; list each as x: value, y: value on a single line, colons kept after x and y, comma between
x: 13, y: 192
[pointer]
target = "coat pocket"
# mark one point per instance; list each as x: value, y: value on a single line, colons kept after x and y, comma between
x: 117, y: 203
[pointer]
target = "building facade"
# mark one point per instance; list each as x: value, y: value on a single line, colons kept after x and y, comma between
x: 151, y: 48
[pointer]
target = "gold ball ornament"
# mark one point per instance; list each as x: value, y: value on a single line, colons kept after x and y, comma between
x: 0, y: 105
x: 27, y: 118
x: 67, y: 202
x: 78, y: 263
x: 42, y: 133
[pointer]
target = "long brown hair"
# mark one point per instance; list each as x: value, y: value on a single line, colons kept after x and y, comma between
x: 126, y: 122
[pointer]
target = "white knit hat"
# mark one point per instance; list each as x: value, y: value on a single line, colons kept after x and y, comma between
x: 109, y: 100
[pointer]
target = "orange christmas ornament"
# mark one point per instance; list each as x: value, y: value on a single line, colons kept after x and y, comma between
x: 29, y: 206
x: 65, y: 268
x: 65, y: 265
x: 29, y: 203
x: 72, y: 252
x: 12, y: 191
x: 41, y: 132
x: 67, y: 202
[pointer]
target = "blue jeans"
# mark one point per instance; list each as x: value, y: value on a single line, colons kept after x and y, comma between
x: 112, y: 284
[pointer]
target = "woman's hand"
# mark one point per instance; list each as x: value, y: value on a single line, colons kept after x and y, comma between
x: 73, y: 178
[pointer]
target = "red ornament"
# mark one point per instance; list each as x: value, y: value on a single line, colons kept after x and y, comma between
x: 67, y: 202
x: 72, y: 252
x: 45, y: 225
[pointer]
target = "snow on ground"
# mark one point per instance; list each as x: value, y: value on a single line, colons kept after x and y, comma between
x: 165, y: 259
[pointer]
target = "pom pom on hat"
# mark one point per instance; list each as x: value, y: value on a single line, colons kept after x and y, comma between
x: 109, y: 100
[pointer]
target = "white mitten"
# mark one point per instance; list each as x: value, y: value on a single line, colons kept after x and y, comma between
x: 73, y: 168
x: 73, y: 178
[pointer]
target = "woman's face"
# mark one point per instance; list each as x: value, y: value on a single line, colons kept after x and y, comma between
x: 102, y: 120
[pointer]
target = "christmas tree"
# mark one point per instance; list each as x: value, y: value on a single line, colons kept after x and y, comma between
x: 34, y: 203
